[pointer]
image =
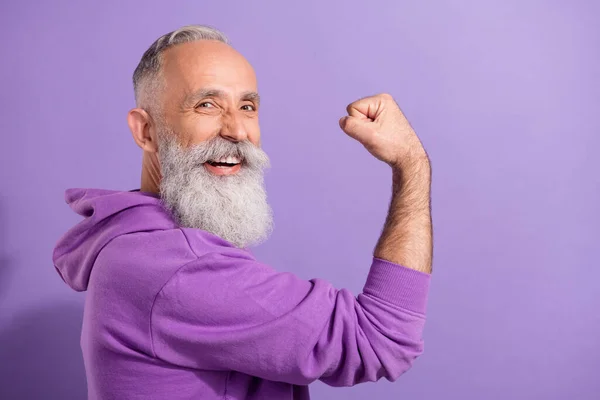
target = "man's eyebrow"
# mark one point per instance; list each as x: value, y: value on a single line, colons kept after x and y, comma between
x: 251, y: 96
x: 196, y: 96
x: 202, y: 94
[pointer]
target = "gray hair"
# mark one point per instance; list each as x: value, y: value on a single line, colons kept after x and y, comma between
x: 146, y: 74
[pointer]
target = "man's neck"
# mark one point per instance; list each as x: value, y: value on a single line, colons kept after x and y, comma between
x: 150, y: 173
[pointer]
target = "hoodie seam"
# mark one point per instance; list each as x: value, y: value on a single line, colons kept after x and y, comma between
x: 156, y: 297
x: 188, y: 242
x: 165, y: 284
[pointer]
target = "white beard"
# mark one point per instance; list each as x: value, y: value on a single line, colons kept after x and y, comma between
x: 233, y: 207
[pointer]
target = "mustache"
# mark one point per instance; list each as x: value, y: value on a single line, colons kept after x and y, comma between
x: 217, y: 147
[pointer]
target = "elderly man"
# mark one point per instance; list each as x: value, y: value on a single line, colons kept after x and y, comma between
x: 176, y: 307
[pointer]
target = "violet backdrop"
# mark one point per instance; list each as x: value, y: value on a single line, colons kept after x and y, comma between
x: 504, y: 94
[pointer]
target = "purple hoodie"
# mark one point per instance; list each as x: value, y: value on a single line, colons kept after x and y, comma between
x: 176, y: 313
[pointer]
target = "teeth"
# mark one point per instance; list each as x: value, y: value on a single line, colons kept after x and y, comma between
x: 228, y: 160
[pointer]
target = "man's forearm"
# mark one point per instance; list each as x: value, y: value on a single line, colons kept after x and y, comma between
x: 407, y: 237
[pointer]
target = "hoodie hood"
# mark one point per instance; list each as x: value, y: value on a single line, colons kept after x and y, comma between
x: 108, y: 214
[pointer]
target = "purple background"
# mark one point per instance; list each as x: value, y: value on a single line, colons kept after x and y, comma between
x: 504, y: 94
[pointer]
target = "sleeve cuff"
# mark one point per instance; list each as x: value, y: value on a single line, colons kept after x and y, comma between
x: 399, y: 285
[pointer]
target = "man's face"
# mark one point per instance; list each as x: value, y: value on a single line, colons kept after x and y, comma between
x: 210, y: 90
x: 209, y: 155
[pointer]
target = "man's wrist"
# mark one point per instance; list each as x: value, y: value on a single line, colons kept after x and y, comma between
x: 415, y: 172
x: 413, y: 163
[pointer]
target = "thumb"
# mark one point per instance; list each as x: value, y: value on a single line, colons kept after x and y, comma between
x: 356, y: 128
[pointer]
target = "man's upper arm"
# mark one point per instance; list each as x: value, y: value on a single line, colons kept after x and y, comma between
x: 228, y: 313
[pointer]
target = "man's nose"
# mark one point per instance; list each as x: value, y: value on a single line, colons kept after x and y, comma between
x: 233, y: 128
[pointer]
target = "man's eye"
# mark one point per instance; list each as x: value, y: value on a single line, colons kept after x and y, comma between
x: 248, y: 107
x: 206, y: 104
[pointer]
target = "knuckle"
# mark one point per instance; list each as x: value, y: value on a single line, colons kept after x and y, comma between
x: 359, y: 102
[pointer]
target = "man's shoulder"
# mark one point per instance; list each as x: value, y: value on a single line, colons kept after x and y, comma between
x: 206, y: 244
x: 160, y: 254
x: 141, y: 262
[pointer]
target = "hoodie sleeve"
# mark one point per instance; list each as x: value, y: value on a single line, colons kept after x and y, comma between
x: 228, y: 313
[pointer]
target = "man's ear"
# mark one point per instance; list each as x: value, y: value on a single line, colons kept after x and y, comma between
x: 140, y: 124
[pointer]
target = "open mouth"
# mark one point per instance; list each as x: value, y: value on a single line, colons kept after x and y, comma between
x: 224, y: 166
